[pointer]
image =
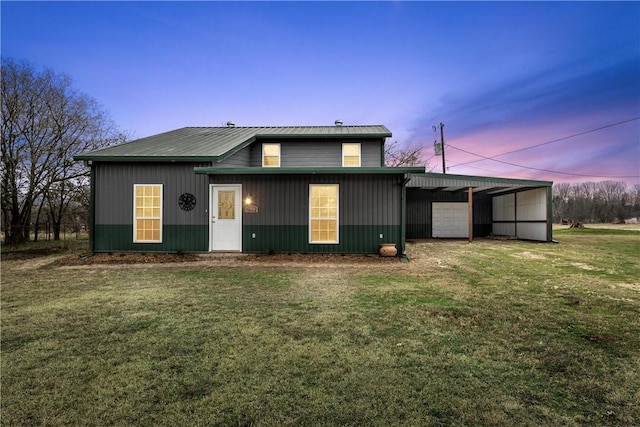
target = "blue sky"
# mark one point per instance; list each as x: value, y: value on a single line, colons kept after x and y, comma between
x: 502, y: 76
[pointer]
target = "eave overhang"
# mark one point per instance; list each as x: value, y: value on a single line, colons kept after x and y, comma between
x: 308, y: 171
x: 145, y: 159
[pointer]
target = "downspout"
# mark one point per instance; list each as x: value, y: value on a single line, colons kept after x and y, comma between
x: 92, y: 210
x: 403, y: 219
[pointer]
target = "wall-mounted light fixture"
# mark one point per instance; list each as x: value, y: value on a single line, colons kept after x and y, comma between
x: 249, y: 205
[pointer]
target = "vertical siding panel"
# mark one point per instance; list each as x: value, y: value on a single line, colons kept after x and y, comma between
x: 371, y: 153
x: 114, y: 195
x: 312, y: 153
x: 283, y: 202
x: 114, y: 205
x: 240, y: 159
x: 369, y: 205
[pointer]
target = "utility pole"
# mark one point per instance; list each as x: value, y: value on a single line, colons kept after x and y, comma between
x: 444, y: 169
x: 439, y: 148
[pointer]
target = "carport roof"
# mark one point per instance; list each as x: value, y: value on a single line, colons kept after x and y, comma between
x: 479, y: 184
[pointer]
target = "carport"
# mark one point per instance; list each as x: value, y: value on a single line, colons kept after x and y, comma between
x: 462, y: 206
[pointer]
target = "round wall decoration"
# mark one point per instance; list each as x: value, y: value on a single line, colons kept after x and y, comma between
x: 187, y: 201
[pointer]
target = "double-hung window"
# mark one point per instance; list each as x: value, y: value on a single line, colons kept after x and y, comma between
x: 147, y: 213
x: 271, y: 155
x: 323, y: 213
x: 351, y: 154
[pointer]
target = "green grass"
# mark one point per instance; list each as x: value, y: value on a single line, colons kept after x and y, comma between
x: 488, y: 333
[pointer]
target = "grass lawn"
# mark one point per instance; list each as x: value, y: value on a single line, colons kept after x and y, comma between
x: 488, y: 333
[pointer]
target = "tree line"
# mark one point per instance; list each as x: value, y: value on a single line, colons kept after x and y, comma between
x: 593, y: 202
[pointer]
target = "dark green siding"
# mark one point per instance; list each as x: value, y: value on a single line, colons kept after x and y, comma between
x: 290, y: 238
x: 175, y: 238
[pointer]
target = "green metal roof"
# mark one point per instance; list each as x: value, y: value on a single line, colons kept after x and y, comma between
x: 307, y: 171
x: 217, y: 143
x: 453, y: 183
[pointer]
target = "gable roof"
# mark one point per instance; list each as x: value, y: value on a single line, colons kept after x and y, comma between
x: 218, y: 143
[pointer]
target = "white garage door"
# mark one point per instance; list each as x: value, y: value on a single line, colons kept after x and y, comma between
x: 450, y: 220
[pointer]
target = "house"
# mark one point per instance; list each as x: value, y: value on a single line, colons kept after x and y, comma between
x: 250, y: 189
x: 302, y: 189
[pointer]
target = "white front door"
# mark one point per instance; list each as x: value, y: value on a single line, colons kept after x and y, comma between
x: 225, y: 232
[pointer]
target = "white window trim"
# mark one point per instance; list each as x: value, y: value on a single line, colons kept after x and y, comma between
x: 135, y: 223
x: 337, y: 241
x: 279, y: 155
x: 359, y: 154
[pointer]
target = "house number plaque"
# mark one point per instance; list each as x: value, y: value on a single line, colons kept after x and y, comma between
x: 251, y: 209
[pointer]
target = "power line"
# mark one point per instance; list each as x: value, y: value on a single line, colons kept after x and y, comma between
x: 546, y: 143
x: 541, y: 170
x: 429, y: 159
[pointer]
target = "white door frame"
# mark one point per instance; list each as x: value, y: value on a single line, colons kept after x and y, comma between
x: 213, y: 220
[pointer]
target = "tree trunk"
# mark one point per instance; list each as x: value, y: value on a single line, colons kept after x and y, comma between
x: 19, y: 230
x: 37, y: 224
x: 56, y: 229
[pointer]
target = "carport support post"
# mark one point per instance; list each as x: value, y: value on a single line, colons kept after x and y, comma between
x: 403, y: 218
x: 470, y: 214
x: 550, y: 213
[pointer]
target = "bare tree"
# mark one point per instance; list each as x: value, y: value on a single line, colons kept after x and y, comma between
x: 561, y: 196
x: 410, y: 155
x: 612, y: 200
x: 634, y: 200
x: 45, y: 121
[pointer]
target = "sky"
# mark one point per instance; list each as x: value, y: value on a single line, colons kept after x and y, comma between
x: 542, y: 90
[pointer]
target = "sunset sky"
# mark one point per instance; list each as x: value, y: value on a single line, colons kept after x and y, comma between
x: 501, y: 76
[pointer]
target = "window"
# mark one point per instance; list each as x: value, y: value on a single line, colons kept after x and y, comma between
x: 271, y: 155
x: 351, y: 154
x: 226, y: 204
x: 323, y: 213
x: 147, y: 213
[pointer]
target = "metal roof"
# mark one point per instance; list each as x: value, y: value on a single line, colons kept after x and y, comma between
x: 217, y: 143
x: 489, y: 185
